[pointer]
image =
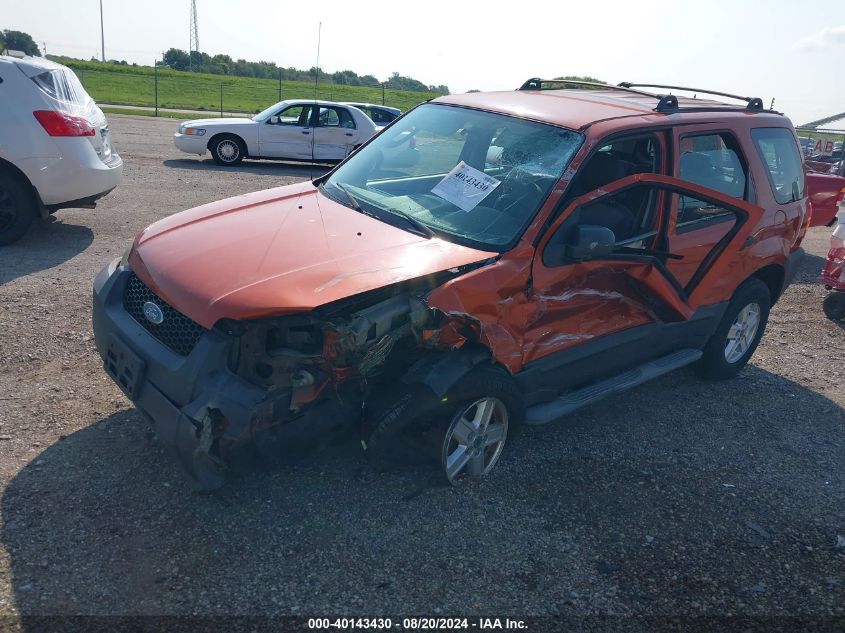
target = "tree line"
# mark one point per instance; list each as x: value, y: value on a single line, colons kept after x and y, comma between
x: 18, y: 41
x: 196, y: 61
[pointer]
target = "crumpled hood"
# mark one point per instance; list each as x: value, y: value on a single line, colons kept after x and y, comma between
x: 280, y: 251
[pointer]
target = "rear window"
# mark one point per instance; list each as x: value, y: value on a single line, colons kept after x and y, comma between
x: 783, y: 162
x: 62, y: 85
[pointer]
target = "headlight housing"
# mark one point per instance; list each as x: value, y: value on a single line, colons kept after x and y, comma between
x: 193, y: 131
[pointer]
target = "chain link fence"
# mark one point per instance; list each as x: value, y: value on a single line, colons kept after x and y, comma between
x: 229, y: 95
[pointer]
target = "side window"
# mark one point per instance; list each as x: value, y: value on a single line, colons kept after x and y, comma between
x: 783, y: 162
x: 631, y: 213
x: 295, y: 115
x: 346, y: 119
x: 329, y: 117
x: 614, y: 161
x: 713, y: 161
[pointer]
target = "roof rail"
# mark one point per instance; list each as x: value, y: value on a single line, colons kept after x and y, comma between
x: 536, y: 83
x: 752, y: 103
x: 665, y: 102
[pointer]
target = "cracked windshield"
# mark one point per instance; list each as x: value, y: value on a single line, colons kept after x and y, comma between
x: 461, y: 174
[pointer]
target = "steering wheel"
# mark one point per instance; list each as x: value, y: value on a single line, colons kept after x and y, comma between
x: 516, y: 186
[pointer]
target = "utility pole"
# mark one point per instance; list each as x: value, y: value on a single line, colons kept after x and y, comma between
x: 102, y: 34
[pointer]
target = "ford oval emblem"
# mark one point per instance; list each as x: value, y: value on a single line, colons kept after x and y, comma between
x: 153, y: 313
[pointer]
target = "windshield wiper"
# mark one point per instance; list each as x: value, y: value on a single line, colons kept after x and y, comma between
x: 351, y: 199
x: 421, y: 228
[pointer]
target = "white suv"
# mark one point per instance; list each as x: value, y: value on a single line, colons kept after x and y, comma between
x: 55, y: 150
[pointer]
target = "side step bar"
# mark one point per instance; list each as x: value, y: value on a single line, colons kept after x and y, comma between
x: 572, y: 400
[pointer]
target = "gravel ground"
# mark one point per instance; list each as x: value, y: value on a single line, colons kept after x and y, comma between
x: 682, y: 498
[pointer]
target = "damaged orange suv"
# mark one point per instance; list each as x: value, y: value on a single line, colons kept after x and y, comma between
x: 529, y: 253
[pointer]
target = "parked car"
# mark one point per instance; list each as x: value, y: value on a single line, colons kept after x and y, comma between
x: 826, y: 191
x: 615, y: 237
x: 824, y: 162
x: 300, y: 129
x: 55, y: 148
x: 380, y: 114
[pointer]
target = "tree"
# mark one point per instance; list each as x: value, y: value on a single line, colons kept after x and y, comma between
x: 20, y: 41
x: 584, y: 78
x: 176, y: 58
x: 2, y: 41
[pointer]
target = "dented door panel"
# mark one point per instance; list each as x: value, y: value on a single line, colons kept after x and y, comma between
x: 580, y: 301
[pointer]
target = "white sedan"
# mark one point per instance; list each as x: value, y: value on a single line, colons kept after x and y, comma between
x: 297, y: 129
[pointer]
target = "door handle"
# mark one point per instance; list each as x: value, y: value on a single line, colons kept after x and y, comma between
x: 306, y: 131
x: 349, y: 134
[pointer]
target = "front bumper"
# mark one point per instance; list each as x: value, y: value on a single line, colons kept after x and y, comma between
x: 190, y: 144
x: 183, y: 396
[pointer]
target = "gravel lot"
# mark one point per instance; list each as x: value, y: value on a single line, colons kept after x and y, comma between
x: 681, y: 498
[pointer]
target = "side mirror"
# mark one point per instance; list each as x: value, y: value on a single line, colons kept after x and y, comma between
x: 273, y: 120
x: 590, y: 242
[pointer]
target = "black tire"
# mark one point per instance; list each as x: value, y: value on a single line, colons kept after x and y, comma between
x: 416, y: 419
x: 834, y: 306
x: 17, y: 208
x: 714, y: 364
x: 227, y: 149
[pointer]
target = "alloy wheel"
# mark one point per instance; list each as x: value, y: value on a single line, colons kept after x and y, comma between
x: 475, y: 439
x: 742, y: 333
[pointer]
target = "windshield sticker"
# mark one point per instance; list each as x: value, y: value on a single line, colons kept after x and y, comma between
x: 465, y: 187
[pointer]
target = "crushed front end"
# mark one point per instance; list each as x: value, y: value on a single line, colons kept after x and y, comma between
x: 283, y: 385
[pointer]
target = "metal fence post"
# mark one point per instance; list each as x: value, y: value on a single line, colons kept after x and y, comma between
x: 221, y: 100
x: 382, y: 94
x: 280, y: 84
x: 155, y: 85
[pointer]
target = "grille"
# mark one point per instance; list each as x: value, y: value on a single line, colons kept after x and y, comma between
x: 176, y: 331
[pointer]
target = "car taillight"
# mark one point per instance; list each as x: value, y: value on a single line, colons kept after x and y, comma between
x: 841, y: 195
x: 63, y: 124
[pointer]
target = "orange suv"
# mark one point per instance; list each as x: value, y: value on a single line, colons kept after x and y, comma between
x: 530, y: 253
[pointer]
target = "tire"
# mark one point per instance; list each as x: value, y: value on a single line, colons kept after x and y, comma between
x: 416, y: 419
x: 722, y: 360
x: 227, y: 149
x: 17, y: 208
x: 834, y: 306
x: 481, y: 385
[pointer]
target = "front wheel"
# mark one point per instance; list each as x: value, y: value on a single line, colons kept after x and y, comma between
x: 227, y: 150
x: 739, y: 332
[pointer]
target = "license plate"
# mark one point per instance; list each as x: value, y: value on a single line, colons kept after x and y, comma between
x: 125, y: 367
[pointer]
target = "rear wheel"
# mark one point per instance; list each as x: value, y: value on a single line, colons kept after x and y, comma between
x: 17, y: 209
x: 227, y: 149
x: 739, y: 332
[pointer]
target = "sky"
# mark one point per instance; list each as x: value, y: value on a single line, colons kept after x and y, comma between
x: 790, y: 51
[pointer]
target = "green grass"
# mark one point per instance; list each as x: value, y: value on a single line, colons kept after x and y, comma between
x: 135, y: 85
x: 140, y: 112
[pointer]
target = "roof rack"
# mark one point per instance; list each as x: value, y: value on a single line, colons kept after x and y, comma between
x: 665, y: 103
x: 752, y: 103
x: 536, y: 83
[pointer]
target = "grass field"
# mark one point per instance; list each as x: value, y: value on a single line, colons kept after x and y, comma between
x: 144, y: 112
x: 136, y: 85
